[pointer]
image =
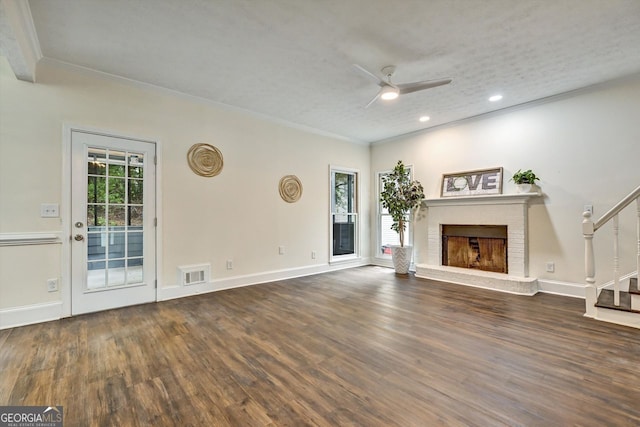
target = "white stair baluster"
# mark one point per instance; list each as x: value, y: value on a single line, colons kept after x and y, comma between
x: 616, y: 262
x: 638, y: 235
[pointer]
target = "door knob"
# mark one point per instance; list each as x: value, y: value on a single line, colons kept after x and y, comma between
x: 78, y: 237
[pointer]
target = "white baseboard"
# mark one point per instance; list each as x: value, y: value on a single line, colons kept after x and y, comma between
x: 39, y: 313
x: 383, y: 262
x: 567, y: 289
x: 172, y: 292
x: 618, y: 317
x: 30, y: 314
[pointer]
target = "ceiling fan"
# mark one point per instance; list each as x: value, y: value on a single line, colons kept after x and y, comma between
x: 389, y: 90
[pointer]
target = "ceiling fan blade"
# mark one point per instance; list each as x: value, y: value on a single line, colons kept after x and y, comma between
x: 375, y: 98
x: 370, y: 75
x: 427, y: 84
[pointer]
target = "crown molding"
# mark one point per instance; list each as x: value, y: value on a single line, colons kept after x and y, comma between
x: 20, y: 39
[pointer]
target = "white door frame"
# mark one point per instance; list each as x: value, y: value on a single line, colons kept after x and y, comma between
x: 65, y: 207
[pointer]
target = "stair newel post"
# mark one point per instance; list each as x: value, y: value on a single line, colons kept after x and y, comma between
x: 589, y: 265
x: 616, y: 261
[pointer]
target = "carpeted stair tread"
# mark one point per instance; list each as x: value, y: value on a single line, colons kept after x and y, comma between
x: 605, y: 300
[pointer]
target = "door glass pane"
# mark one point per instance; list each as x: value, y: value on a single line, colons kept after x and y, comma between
x: 135, y: 191
x: 116, y: 190
x: 97, y: 244
x: 134, y: 244
x: 117, y: 215
x: 117, y: 157
x: 116, y: 170
x: 114, y: 218
x: 134, y: 270
x: 116, y: 273
x: 97, y: 161
x: 136, y: 162
x: 135, y: 215
x: 96, y: 275
x: 96, y: 215
x: 116, y: 245
x: 96, y: 192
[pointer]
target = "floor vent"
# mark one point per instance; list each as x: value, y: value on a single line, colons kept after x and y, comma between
x: 194, y: 274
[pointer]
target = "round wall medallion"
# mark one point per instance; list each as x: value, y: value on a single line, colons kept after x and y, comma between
x: 290, y: 188
x: 205, y: 160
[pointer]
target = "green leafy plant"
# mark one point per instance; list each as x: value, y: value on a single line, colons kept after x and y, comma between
x: 526, y: 177
x: 399, y: 196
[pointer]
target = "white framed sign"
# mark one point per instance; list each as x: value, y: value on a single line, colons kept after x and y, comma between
x: 472, y: 183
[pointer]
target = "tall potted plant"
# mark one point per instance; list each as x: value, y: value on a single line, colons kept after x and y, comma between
x: 400, y: 195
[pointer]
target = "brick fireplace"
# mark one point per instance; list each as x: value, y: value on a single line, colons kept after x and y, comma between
x: 477, y: 225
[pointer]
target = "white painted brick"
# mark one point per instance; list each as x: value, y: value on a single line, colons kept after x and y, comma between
x: 509, y: 210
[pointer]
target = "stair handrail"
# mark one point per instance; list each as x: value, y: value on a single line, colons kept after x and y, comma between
x: 588, y: 230
x: 616, y: 209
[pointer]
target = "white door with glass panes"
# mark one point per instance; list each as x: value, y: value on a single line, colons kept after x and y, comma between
x: 113, y: 241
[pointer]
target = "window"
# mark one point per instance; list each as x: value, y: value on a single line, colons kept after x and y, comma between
x: 344, y: 214
x: 386, y: 236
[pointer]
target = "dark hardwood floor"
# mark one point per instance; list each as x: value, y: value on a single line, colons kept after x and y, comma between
x: 357, y: 347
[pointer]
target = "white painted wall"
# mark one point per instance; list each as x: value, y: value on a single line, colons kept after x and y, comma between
x: 585, y: 147
x: 237, y: 215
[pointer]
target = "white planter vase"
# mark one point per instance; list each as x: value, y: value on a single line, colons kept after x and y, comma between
x: 523, y: 188
x: 401, y: 257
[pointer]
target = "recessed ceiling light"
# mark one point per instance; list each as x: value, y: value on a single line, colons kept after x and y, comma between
x: 424, y: 118
x: 495, y: 98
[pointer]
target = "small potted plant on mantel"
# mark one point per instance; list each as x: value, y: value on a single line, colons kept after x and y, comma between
x: 524, y: 180
x: 400, y: 195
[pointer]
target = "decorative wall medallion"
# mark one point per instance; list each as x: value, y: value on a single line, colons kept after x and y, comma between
x: 290, y: 188
x: 205, y: 160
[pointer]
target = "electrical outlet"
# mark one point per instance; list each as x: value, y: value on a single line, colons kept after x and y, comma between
x: 313, y: 254
x: 588, y: 208
x: 49, y: 210
x: 52, y: 285
x: 229, y: 264
x: 281, y: 250
x: 551, y: 267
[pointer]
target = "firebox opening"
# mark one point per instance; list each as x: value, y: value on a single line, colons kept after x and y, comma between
x: 480, y: 247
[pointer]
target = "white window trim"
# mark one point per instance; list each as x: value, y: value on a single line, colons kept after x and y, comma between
x: 333, y: 259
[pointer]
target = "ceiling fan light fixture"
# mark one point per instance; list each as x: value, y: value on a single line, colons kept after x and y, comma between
x: 389, y: 92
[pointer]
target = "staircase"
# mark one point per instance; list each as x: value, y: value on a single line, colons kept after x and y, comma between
x: 629, y: 300
x: 612, y: 305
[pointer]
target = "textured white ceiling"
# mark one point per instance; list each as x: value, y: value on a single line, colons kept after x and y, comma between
x: 292, y: 59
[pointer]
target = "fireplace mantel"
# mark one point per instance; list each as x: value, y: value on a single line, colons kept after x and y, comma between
x: 500, y: 209
x: 493, y: 199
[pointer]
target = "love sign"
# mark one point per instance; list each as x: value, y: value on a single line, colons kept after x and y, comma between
x: 472, y: 183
